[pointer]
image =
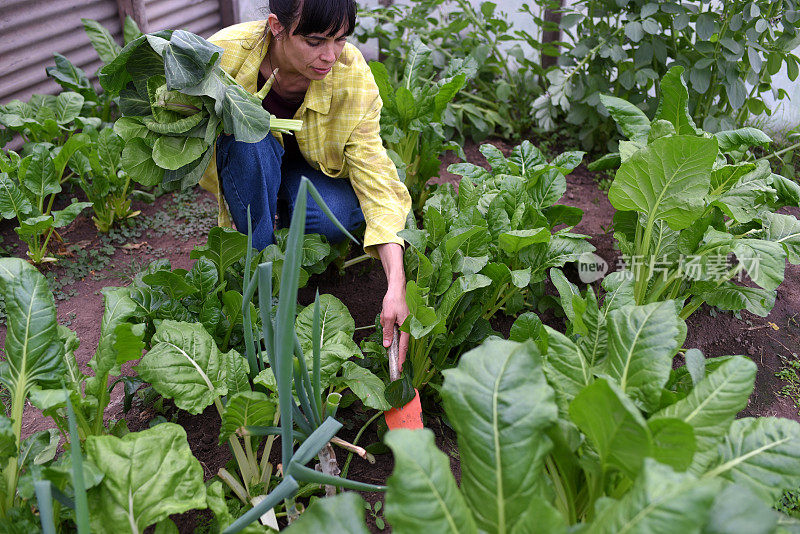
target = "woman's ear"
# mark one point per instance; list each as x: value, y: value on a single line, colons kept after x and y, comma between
x: 274, y: 25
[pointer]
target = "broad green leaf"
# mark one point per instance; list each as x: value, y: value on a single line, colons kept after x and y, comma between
x: 566, y: 292
x: 63, y: 217
x: 526, y: 326
x: 130, y: 29
x: 566, y: 368
x: 341, y: 513
x: 660, y: 500
x: 137, y: 161
x: 33, y: 226
x: 761, y: 454
x: 730, y: 296
x: 174, y: 152
x: 314, y: 249
x: 745, y: 198
x: 422, y: 494
x: 132, y: 102
x: 129, y: 127
x: 631, y: 120
x: 68, y: 107
x: 594, y: 343
x: 460, y: 287
x: 13, y: 203
x: 33, y: 349
x: 785, y: 230
x: 188, y: 59
x: 173, y: 284
x: 500, y: 405
x: 666, y: 180
x: 40, y: 178
x: 185, y: 365
x: 118, y: 309
x: 642, y: 341
x: 673, y: 442
x: 187, y: 176
x: 243, y: 116
x: 178, y: 127
x: 515, y: 240
x: 246, y: 408
x: 109, y: 150
x: 336, y: 334
x: 203, y: 276
x: 613, y: 425
x: 736, y: 510
x: 224, y: 247
x: 8, y: 441
x: 236, y: 372
x: 526, y: 156
x: 764, y: 261
x: 68, y: 75
x: 101, y: 40
x: 548, y: 189
x: 366, y: 386
x: 149, y: 475
x: 712, y: 405
x: 741, y: 139
x: 674, y: 103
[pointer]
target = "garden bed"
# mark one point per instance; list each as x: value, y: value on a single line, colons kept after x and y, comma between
x: 172, y: 226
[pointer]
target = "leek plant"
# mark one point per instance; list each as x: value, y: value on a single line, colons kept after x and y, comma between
x: 315, y: 425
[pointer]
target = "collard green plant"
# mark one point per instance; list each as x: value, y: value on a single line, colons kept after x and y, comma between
x: 47, y: 119
x: 28, y: 187
x: 730, y: 51
x: 507, y: 78
x: 554, y: 435
x: 485, y: 250
x: 687, y: 199
x: 175, y: 100
x: 99, y: 173
x: 412, y: 113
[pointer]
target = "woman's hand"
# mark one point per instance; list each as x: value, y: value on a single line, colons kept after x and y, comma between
x: 395, y: 309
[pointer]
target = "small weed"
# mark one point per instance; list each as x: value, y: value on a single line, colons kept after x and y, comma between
x: 789, y: 503
x: 188, y: 216
x: 790, y: 374
x: 71, y: 316
x: 375, y: 511
x: 604, y: 180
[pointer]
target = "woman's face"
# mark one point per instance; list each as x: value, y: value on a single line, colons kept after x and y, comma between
x: 311, y: 56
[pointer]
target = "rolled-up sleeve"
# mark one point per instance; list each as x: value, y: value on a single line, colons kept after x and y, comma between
x: 383, y: 197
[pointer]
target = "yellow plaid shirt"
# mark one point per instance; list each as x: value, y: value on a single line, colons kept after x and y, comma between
x: 340, y: 134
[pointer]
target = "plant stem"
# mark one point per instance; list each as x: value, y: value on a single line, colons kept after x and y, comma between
x: 779, y: 152
x: 354, y: 261
x: 355, y: 442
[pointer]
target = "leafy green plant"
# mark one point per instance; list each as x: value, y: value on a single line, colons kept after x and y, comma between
x: 730, y: 53
x: 485, y: 250
x: 412, y: 113
x: 284, y: 352
x: 28, y: 187
x: 176, y: 100
x: 72, y: 78
x: 686, y: 200
x: 46, y: 118
x: 790, y: 375
x: 211, y: 291
x: 566, y: 434
x: 498, y: 96
x: 107, y: 186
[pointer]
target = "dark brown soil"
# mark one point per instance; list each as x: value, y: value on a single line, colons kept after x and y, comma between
x: 765, y: 340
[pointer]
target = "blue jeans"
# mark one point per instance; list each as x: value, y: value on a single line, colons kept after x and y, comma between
x: 254, y: 174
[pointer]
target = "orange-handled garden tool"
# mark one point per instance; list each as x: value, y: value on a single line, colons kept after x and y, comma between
x: 410, y: 415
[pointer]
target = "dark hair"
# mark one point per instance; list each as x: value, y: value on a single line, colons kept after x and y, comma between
x: 316, y: 16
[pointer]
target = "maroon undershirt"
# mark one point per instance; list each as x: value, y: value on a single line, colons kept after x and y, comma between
x: 283, y: 109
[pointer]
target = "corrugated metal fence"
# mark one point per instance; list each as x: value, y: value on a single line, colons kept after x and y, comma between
x: 32, y: 30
